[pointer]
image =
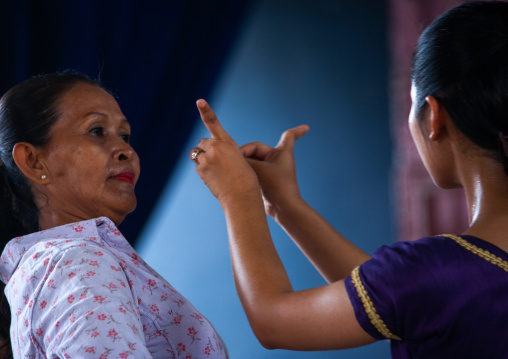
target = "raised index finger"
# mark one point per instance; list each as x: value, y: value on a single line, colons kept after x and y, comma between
x: 211, y: 121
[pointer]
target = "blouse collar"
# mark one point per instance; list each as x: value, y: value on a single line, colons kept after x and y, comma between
x: 100, y: 229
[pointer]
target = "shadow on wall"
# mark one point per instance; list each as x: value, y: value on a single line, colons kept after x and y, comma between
x: 323, y: 63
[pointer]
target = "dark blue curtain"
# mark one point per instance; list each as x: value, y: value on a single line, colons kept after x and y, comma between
x: 157, y: 57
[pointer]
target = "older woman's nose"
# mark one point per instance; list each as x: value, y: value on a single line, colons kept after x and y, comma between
x: 123, y: 151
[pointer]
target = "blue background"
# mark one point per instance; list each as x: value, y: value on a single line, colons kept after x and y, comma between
x: 322, y: 63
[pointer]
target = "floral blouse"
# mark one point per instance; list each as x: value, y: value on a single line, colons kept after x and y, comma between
x: 81, y: 291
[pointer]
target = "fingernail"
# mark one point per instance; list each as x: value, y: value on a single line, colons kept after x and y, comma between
x: 201, y: 103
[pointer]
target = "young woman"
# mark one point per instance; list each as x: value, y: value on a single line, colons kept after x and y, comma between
x: 435, y: 297
x: 75, y: 287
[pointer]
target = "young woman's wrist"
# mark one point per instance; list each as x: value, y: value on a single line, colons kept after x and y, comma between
x: 280, y: 210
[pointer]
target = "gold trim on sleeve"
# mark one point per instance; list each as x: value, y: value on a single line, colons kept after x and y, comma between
x: 480, y: 252
x: 375, y: 319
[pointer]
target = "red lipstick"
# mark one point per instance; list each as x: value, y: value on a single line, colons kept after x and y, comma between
x: 125, y: 176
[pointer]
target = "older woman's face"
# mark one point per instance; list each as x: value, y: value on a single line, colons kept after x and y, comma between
x: 92, y: 169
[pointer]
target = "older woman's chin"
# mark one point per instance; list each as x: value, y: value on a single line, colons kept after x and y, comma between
x: 118, y: 214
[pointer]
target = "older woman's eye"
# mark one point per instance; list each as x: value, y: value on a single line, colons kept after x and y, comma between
x: 97, y: 131
x: 126, y: 138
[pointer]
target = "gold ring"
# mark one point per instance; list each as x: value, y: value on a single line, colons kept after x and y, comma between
x: 195, y: 153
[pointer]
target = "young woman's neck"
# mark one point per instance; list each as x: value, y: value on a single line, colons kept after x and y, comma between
x: 486, y: 187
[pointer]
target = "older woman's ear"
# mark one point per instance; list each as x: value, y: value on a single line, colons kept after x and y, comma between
x: 27, y: 158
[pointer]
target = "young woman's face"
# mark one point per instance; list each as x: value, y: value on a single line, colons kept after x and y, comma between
x: 92, y: 169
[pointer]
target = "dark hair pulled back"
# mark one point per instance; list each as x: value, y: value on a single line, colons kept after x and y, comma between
x: 28, y: 112
x: 462, y: 60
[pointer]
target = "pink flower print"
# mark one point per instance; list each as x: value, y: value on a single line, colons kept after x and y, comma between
x: 90, y: 350
x: 163, y: 298
x: 123, y: 284
x: 57, y: 324
x: 135, y: 330
x: 154, y: 308
x: 88, y: 314
x: 70, y: 298
x: 177, y: 320
x: 132, y: 346
x: 26, y: 323
x: 151, y: 282
x: 67, y: 356
x: 46, y: 261
x: 123, y: 355
x: 115, y: 268
x: 90, y: 273
x: 72, y: 275
x: 93, y: 263
x: 103, y: 356
x: 72, y: 318
x: 99, y: 299
x: 78, y: 228
x: 35, y: 255
x: 144, y: 327
x: 94, y: 334
x: 116, y: 232
x: 68, y: 263
x: 207, y: 351
x: 188, y: 356
x: 192, y: 333
x: 39, y: 331
x: 123, y: 266
x: 44, y: 304
x: 113, y: 334
x: 112, y: 285
x: 134, y: 255
x: 122, y: 310
x: 102, y: 316
x: 180, y: 347
x: 98, y: 253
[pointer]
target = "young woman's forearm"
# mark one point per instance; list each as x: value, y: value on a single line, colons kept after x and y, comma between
x: 332, y: 254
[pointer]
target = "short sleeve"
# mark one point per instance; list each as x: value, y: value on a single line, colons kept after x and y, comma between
x: 398, y: 294
x: 86, y: 308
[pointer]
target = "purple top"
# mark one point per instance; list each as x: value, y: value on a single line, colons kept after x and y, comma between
x: 437, y: 297
x: 81, y: 291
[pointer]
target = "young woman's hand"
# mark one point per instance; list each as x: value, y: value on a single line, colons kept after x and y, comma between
x: 275, y: 169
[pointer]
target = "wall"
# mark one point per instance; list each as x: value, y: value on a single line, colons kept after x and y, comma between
x: 323, y: 63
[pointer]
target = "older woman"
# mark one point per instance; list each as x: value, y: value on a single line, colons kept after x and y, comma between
x: 435, y: 297
x: 75, y: 286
